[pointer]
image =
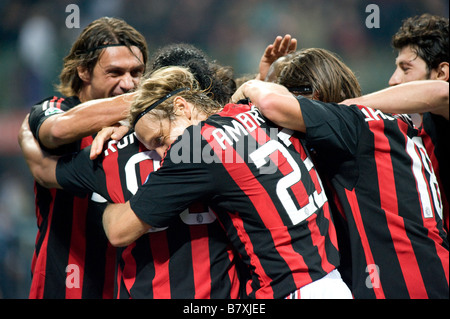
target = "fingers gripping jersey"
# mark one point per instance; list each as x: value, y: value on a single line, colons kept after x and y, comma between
x: 263, y: 188
x: 190, y: 259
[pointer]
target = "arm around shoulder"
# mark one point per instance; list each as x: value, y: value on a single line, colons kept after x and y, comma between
x: 84, y: 120
x: 275, y: 102
x: 412, y: 97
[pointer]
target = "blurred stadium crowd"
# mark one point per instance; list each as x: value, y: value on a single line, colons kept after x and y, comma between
x: 34, y: 39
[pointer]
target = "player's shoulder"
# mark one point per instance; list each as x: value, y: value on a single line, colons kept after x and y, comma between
x: 56, y: 104
x: 47, y: 108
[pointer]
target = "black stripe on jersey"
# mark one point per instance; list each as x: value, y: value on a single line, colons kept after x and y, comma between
x: 43, y: 201
x: 356, y: 267
x: 437, y: 128
x: 181, y: 275
x: 220, y: 280
x: 145, y: 271
x: 96, y: 241
x: 58, y: 242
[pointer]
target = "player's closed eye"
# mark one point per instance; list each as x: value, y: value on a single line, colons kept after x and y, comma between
x: 158, y: 141
x: 405, y: 70
x: 114, y: 73
x: 136, y: 73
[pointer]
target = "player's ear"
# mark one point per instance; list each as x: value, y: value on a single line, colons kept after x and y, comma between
x: 442, y: 72
x: 84, y: 74
x: 182, y: 106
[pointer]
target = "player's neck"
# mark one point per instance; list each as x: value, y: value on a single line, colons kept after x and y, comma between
x: 84, y: 95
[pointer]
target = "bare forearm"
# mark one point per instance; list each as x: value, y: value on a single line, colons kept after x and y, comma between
x: 121, y: 225
x: 84, y: 120
x: 411, y: 97
x: 275, y: 102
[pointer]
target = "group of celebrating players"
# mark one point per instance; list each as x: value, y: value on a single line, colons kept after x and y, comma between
x: 169, y: 178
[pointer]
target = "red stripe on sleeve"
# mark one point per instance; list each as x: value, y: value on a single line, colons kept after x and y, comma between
x: 51, y: 103
x: 58, y: 103
x: 113, y: 183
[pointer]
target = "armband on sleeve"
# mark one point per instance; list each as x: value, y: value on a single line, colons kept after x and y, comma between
x: 41, y: 111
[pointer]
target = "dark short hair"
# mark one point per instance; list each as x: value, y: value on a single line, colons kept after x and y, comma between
x: 428, y: 35
x: 87, y: 49
x: 218, y: 80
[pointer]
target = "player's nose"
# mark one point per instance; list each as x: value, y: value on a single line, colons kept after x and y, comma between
x: 395, y: 78
x: 161, y: 150
x: 127, y: 83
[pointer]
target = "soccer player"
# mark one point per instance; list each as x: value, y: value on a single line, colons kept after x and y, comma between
x: 192, y: 258
x: 379, y: 172
x: 258, y: 180
x: 423, y: 54
x: 72, y: 257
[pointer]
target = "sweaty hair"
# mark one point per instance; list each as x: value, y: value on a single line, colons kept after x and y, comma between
x: 86, y: 50
x: 428, y: 37
x: 211, y: 76
x: 164, y: 81
x: 328, y: 78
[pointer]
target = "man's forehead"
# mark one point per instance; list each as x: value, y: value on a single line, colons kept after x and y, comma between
x: 121, y: 54
x: 406, y: 55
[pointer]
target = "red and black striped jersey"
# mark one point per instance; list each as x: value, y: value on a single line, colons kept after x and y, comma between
x: 190, y: 259
x: 73, y: 258
x: 388, y: 195
x: 435, y: 132
x: 263, y: 188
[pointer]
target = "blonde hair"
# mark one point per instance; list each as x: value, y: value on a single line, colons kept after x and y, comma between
x: 164, y: 81
x: 330, y: 79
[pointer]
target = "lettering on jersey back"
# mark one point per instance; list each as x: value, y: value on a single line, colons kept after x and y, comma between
x: 376, y: 115
x: 244, y: 124
x: 124, y: 142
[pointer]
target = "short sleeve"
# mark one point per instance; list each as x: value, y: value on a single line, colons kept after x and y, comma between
x: 47, y: 108
x: 75, y: 172
x: 39, y: 113
x: 331, y: 127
